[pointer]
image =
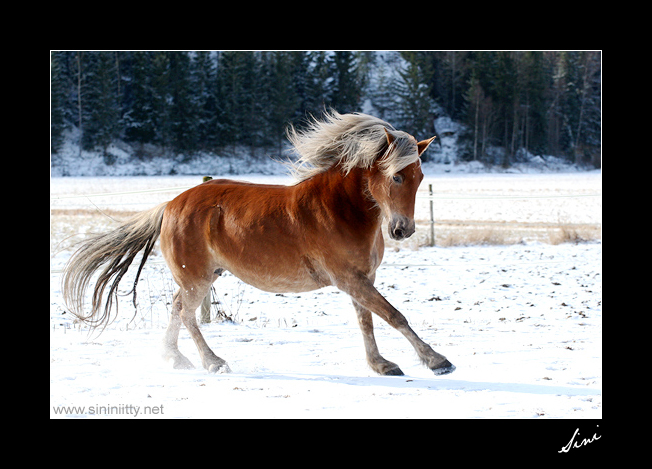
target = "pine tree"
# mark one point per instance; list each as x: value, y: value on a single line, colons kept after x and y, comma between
x: 449, y: 71
x: 139, y: 121
x: 182, y: 112
x: 569, y: 78
x: 474, y: 97
x: 226, y: 86
x: 415, y: 101
x: 382, y: 88
x: 533, y: 89
x: 228, y: 91
x: 382, y: 92
x: 57, y: 102
x: 203, y: 73
x: 587, y: 136
x: 250, y: 118
x: 239, y: 99
x: 283, y: 100
x: 346, y: 87
x: 102, y: 111
x: 160, y: 109
x: 319, y: 95
x: 505, y: 92
x: 301, y: 81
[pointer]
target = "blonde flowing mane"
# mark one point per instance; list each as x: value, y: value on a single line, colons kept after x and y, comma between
x: 354, y: 140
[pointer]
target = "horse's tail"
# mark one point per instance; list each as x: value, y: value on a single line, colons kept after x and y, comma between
x: 117, y: 250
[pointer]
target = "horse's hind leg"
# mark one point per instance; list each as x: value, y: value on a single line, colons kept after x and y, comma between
x: 374, y: 359
x: 192, y: 298
x: 170, y: 347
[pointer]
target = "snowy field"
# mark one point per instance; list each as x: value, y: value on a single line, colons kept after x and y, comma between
x: 521, y: 322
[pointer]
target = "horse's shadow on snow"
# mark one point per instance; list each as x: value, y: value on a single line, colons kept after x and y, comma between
x: 433, y: 384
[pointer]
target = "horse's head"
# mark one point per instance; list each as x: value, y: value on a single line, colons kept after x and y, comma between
x: 395, y: 193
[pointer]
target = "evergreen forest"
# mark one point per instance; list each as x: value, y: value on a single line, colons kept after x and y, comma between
x: 507, y: 103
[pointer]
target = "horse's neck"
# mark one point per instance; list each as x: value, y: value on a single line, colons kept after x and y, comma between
x: 347, y: 194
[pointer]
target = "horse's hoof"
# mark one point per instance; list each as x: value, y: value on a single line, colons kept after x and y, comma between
x: 394, y: 372
x: 223, y: 368
x: 446, y: 368
x: 179, y: 362
x: 183, y: 365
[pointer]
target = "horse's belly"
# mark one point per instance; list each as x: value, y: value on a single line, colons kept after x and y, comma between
x: 277, y: 282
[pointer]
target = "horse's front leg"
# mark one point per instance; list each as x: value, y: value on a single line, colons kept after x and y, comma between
x: 374, y: 359
x: 361, y: 289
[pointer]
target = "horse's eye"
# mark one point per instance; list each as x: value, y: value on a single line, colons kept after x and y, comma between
x: 397, y: 178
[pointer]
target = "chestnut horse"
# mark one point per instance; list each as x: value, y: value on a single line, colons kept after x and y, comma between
x: 353, y: 171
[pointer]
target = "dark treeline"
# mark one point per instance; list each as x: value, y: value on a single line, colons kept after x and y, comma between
x: 186, y: 102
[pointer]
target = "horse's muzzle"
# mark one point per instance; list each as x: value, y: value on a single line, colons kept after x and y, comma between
x: 401, y: 227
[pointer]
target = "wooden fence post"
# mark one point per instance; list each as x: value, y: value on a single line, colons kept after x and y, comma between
x: 205, y: 316
x: 206, y: 308
x: 432, y: 218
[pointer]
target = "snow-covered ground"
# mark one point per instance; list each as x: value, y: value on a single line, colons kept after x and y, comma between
x: 522, y: 323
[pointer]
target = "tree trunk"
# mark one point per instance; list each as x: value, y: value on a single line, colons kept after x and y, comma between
x: 79, y: 100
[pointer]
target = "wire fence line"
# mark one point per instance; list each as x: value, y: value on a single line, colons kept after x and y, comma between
x: 111, y: 194
x: 520, y: 224
x: 427, y: 197
x: 495, y: 197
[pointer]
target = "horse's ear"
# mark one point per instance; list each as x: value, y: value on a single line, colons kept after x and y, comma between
x: 390, y: 137
x: 423, y: 144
